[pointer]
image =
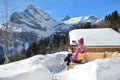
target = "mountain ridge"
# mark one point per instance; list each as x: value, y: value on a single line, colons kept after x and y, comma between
x: 36, y: 18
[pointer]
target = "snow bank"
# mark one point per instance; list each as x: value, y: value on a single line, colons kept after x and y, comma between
x: 100, y: 69
x: 28, y: 69
x: 46, y: 67
x: 51, y: 61
x: 39, y: 67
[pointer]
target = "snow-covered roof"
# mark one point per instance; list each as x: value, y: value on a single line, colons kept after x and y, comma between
x: 96, y: 37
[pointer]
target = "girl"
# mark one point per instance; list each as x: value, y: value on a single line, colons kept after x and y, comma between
x: 79, y: 50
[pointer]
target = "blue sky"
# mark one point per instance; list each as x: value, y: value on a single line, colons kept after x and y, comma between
x: 74, y: 8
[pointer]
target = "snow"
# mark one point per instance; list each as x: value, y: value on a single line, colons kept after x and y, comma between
x: 46, y: 67
x: 95, y: 37
x: 82, y: 19
x: 100, y: 69
x: 28, y: 69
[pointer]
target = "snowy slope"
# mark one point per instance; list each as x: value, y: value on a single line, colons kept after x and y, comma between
x: 95, y: 37
x: 39, y: 67
x: 28, y: 69
x: 46, y: 67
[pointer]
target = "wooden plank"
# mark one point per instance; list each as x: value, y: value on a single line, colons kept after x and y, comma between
x: 94, y: 55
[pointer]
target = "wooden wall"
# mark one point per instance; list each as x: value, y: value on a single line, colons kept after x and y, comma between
x: 99, y: 48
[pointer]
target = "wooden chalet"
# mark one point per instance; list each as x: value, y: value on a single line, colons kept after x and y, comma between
x: 100, y: 42
x: 96, y: 40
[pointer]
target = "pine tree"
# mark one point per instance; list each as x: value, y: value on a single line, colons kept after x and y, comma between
x: 115, y: 16
x: 31, y: 50
x: 114, y: 20
x: 87, y: 25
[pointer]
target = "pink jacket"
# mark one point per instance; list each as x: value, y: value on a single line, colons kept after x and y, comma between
x: 78, y: 50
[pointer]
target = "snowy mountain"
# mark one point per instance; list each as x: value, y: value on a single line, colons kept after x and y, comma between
x: 76, y: 22
x: 32, y: 20
x: 82, y: 19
